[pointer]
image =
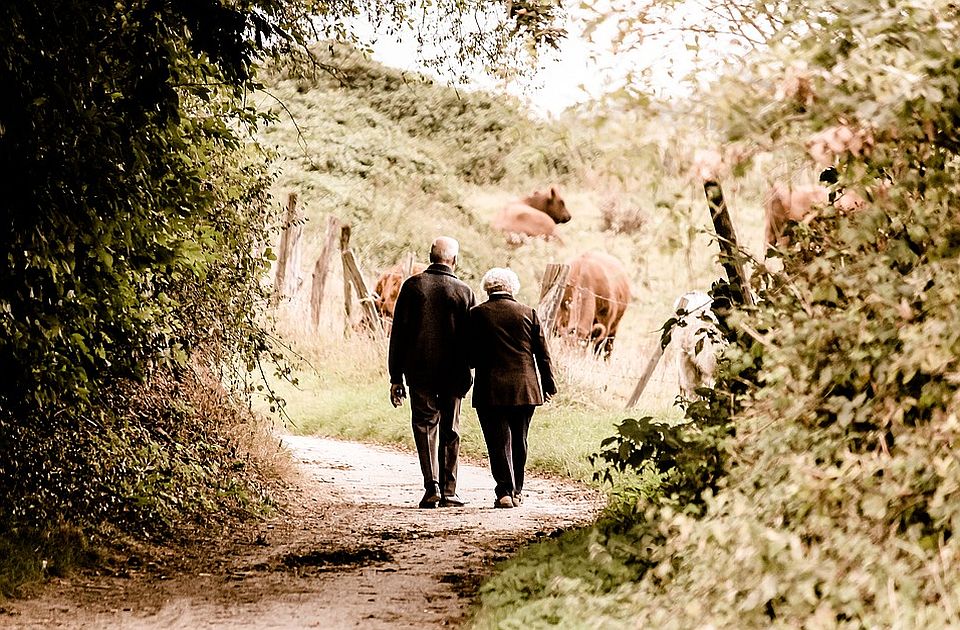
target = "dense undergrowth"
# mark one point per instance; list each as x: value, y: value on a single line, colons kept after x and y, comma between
x: 134, y: 211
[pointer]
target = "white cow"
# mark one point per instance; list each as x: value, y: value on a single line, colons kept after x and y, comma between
x: 696, y: 366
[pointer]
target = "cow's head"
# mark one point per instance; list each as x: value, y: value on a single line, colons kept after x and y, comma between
x: 576, y: 316
x: 550, y: 203
x: 385, y: 293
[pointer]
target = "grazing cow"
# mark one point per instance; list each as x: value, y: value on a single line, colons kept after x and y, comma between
x: 535, y: 215
x: 800, y: 203
x: 388, y: 288
x: 594, y: 299
x: 708, y: 164
x: 786, y: 202
x: 716, y: 164
x: 698, y: 342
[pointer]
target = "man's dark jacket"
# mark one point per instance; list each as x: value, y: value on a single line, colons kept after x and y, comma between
x: 507, y: 348
x: 428, y: 342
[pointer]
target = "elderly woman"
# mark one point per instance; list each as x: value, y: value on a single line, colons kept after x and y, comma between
x: 507, y: 348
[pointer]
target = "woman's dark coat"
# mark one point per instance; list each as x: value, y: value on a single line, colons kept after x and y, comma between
x: 510, y: 355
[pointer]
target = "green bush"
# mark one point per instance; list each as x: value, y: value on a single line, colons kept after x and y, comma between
x: 133, y: 246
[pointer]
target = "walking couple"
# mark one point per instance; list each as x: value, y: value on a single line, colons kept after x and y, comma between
x: 439, y: 333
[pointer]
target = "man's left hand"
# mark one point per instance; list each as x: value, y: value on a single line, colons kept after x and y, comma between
x: 397, y: 394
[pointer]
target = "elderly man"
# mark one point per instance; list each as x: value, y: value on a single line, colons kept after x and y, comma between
x: 508, y: 349
x: 428, y: 349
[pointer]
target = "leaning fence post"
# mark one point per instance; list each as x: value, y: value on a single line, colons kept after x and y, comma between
x: 368, y: 309
x: 551, y: 293
x: 730, y: 256
x: 651, y: 364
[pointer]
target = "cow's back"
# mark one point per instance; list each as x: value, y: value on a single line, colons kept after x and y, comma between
x: 613, y: 289
x: 388, y: 285
x: 599, y: 289
x: 786, y: 202
x: 519, y: 218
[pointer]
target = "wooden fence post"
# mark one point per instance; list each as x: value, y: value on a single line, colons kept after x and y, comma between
x: 347, y: 293
x: 287, y: 279
x: 551, y: 293
x: 730, y: 256
x: 322, y: 267
x: 351, y: 270
x: 645, y: 377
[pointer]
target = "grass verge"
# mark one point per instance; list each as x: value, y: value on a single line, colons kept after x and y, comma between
x: 28, y: 556
x: 349, y: 399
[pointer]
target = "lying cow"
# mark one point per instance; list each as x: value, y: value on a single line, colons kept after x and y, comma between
x: 594, y: 299
x: 387, y: 289
x: 534, y: 216
x: 698, y: 342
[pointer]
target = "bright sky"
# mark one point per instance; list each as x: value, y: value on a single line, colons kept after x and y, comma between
x: 579, y: 72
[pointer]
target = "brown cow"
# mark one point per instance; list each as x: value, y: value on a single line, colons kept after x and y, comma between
x: 786, y: 202
x: 594, y: 300
x: 388, y: 288
x: 535, y: 215
x: 839, y: 141
x: 800, y: 203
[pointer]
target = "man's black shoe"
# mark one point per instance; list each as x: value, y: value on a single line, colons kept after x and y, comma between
x: 430, y: 498
x: 506, y: 501
x: 452, y: 501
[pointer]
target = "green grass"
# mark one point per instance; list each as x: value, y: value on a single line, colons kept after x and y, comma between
x: 348, y: 398
x: 557, y: 582
x: 28, y: 556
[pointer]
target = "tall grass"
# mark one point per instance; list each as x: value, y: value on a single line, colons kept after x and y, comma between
x: 28, y: 556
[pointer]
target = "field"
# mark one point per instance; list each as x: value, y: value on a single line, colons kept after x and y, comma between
x: 358, y: 154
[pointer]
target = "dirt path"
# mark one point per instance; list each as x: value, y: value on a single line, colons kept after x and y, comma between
x: 351, y: 550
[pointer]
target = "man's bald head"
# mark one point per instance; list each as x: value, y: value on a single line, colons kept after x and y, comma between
x: 444, y: 250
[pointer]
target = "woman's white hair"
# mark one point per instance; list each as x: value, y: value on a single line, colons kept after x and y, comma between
x: 500, y: 279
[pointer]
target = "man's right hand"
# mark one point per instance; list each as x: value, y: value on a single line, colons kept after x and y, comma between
x: 397, y: 394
